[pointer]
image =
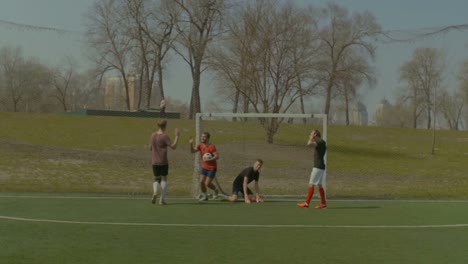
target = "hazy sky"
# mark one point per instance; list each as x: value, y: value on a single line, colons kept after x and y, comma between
x: 405, y: 15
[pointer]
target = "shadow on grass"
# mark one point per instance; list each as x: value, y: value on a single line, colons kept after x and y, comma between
x: 226, y: 202
x: 197, y: 203
x: 353, y: 207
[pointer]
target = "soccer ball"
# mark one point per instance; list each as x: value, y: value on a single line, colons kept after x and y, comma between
x: 207, y: 156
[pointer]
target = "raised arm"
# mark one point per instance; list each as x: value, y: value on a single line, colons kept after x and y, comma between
x: 311, y: 141
x: 176, y: 140
x: 192, y: 148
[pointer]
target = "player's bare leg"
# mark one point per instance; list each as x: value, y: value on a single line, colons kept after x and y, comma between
x: 204, y: 195
x: 209, y: 184
x: 156, y: 183
x: 162, y: 200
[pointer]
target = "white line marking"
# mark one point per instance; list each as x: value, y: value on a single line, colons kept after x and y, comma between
x: 189, y: 198
x: 225, y: 225
x: 75, y: 197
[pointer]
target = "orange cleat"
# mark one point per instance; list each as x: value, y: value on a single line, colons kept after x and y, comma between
x: 303, y: 205
x: 320, y: 206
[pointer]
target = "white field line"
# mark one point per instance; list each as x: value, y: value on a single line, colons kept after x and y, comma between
x: 75, y: 197
x: 188, y: 198
x: 227, y: 225
x: 216, y: 225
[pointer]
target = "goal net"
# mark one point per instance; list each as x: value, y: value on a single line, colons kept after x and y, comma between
x: 278, y: 139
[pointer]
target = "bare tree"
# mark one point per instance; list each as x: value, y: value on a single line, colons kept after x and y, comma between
x: 151, y: 24
x: 265, y: 59
x: 23, y: 80
x: 355, y: 70
x: 463, y: 77
x: 342, y: 34
x: 306, y: 53
x: 423, y: 74
x: 349, y: 93
x: 64, y: 82
x: 451, y: 106
x: 412, y: 94
x: 92, y: 89
x: 463, y: 88
x: 198, y: 24
x: 107, y: 36
x: 14, y: 74
x: 233, y: 59
x: 400, y: 114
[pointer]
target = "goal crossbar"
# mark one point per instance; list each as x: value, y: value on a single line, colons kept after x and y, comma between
x: 199, y: 116
x: 267, y: 115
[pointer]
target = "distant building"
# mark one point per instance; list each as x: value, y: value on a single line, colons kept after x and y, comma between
x: 115, y: 95
x: 382, y: 113
x: 359, y: 115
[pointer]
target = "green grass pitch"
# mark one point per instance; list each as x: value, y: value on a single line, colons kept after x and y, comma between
x: 75, y: 189
x: 112, y: 229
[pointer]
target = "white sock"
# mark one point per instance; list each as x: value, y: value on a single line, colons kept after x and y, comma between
x: 155, y: 187
x: 163, y: 189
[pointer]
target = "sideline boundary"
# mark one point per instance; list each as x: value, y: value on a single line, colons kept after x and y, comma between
x: 188, y: 225
x: 12, y: 218
x: 140, y: 197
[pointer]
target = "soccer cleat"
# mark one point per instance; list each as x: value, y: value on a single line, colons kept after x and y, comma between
x: 222, y: 197
x: 216, y: 194
x: 162, y: 202
x: 153, y: 199
x: 303, y: 205
x: 203, y: 198
x: 320, y: 206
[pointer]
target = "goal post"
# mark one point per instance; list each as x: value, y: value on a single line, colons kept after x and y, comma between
x: 278, y: 139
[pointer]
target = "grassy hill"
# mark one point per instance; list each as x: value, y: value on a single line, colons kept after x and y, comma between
x: 92, y: 154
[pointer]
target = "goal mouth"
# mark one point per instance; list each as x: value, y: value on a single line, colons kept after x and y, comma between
x: 278, y: 139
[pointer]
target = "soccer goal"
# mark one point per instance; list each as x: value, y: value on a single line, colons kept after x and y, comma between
x: 278, y: 139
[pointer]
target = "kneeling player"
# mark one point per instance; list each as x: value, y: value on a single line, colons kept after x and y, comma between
x: 240, y: 184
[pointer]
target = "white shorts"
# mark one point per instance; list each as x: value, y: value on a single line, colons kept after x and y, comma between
x: 316, y: 176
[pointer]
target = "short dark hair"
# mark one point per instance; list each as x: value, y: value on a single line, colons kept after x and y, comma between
x: 207, y: 134
x: 259, y: 160
x: 162, y: 123
x: 317, y: 133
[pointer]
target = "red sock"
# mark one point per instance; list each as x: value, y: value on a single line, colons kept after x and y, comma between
x: 310, y: 193
x: 322, y: 195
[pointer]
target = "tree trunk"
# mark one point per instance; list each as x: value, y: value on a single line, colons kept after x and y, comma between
x: 195, y: 101
x: 236, y: 103
x: 429, y: 120
x: 328, y: 99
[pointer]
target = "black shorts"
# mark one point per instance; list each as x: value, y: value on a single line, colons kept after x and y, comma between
x: 236, y: 189
x: 160, y: 170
